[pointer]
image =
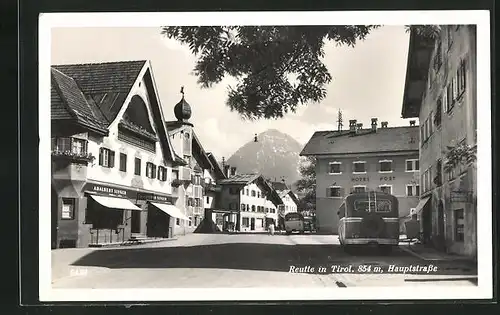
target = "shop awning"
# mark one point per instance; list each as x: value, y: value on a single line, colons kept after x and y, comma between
x: 421, y: 204
x: 171, y: 210
x: 115, y: 203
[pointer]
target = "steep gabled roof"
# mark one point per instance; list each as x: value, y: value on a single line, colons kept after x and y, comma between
x: 366, y: 141
x: 280, y: 186
x: 217, y: 167
x: 107, y: 84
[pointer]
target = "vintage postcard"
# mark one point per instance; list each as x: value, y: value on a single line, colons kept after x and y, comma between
x: 265, y: 156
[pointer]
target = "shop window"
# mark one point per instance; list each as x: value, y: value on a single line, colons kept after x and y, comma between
x: 68, y: 209
x: 123, y: 162
x: 335, y: 168
x: 106, y: 157
x: 334, y: 191
x: 359, y: 167
x: 459, y: 225
x: 137, y: 166
x: 385, y: 166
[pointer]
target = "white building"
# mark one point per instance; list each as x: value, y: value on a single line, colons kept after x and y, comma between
x: 249, y: 199
x: 111, y: 157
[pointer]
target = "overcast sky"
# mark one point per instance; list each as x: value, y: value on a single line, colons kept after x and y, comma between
x: 368, y: 81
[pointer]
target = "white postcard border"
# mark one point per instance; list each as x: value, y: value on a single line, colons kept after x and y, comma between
x: 484, y: 289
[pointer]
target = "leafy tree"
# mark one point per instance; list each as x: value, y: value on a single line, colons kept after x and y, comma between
x: 307, y: 184
x: 277, y: 68
x: 460, y: 154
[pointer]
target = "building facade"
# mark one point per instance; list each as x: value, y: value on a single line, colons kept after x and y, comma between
x: 441, y: 91
x: 111, y: 158
x: 251, y: 199
x: 196, y: 173
x: 380, y: 159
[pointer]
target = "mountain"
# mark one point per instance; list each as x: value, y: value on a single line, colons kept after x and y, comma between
x: 275, y: 155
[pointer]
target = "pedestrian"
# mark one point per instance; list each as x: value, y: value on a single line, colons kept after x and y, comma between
x: 271, y: 228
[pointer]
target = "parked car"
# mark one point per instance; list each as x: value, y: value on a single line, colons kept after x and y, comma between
x: 294, y: 222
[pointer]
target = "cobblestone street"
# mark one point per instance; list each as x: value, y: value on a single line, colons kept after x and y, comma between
x: 245, y: 261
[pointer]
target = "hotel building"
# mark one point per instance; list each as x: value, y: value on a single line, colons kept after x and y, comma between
x: 364, y: 159
x: 440, y: 90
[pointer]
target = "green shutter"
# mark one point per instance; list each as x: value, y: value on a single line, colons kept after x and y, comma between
x: 100, y: 155
x: 111, y: 159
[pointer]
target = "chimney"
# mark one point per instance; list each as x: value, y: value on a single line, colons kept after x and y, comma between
x: 384, y: 124
x: 233, y: 171
x: 374, y: 124
x: 226, y: 170
x: 412, y: 122
x: 352, y: 125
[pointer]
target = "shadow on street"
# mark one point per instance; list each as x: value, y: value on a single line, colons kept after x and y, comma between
x: 246, y: 256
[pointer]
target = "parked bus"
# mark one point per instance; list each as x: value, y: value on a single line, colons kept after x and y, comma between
x: 369, y: 218
x: 294, y: 222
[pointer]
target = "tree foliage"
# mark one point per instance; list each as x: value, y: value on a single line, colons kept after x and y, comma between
x: 277, y: 68
x: 460, y: 154
x: 307, y: 184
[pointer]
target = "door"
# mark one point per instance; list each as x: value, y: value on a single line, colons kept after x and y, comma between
x: 252, y: 224
x: 426, y: 223
x: 135, y: 222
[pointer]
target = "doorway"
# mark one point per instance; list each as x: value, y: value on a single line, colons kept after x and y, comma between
x: 426, y: 223
x: 252, y: 224
x: 135, y: 224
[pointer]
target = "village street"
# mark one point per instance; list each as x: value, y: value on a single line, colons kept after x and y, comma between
x: 244, y: 261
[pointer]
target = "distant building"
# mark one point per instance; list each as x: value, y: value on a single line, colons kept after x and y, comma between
x: 289, y: 198
x: 441, y: 91
x: 250, y: 199
x: 362, y: 159
x: 111, y: 157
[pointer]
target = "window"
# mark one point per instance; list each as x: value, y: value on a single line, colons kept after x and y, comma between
x: 438, y: 180
x: 78, y: 146
x: 150, y: 170
x: 242, y: 207
x: 459, y: 225
x: 137, y: 166
x: 461, y: 76
x: 253, y: 193
x: 359, y: 167
x: 385, y: 166
x: 208, y: 199
x: 63, y: 144
x: 187, y: 144
x: 245, y: 222
x: 123, y: 162
x: 189, y: 222
x: 162, y: 173
x: 177, y: 221
x: 196, y: 221
x: 233, y: 191
x: 437, y: 115
x: 248, y: 207
x: 106, y: 157
x: 335, y: 168
x: 438, y: 58
x: 387, y: 189
x: 267, y: 210
x: 68, y: 209
x: 233, y: 206
x: 412, y: 165
x: 253, y: 208
x: 359, y: 189
x: 413, y: 190
x: 246, y: 192
x: 258, y: 194
x: 334, y: 191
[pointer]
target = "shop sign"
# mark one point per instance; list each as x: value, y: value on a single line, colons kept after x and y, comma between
x: 387, y: 178
x: 461, y: 196
x: 360, y: 179
x: 153, y: 197
x: 107, y: 190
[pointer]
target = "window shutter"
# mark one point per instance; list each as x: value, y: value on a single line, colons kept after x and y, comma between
x: 164, y: 174
x: 159, y: 173
x: 154, y: 171
x: 100, y: 155
x: 111, y: 159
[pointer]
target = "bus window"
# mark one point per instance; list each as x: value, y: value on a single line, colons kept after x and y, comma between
x: 382, y: 205
x: 294, y: 216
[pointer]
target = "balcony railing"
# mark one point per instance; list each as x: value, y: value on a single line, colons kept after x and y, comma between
x: 73, y: 156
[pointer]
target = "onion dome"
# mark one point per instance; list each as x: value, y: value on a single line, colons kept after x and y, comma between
x: 182, y: 110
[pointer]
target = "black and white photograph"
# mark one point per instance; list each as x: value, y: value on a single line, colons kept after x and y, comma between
x: 265, y: 156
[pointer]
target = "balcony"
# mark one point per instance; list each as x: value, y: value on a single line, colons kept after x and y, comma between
x: 70, y: 150
x: 211, y: 187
